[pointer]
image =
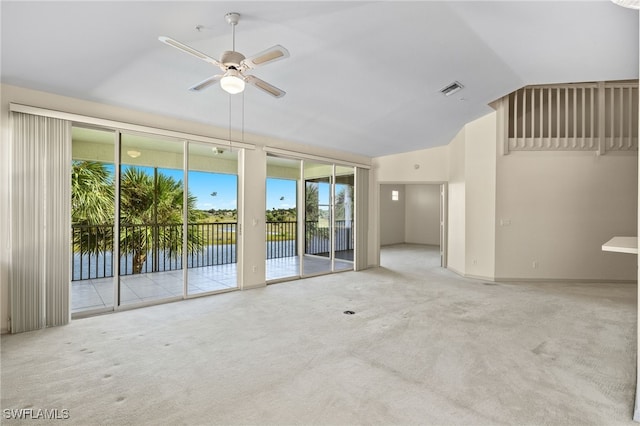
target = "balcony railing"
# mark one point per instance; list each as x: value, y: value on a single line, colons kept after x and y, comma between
x: 92, y: 251
x: 158, y: 248
x: 318, y: 242
x: 281, y: 239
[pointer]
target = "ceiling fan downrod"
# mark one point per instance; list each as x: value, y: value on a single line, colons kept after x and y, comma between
x: 232, y: 19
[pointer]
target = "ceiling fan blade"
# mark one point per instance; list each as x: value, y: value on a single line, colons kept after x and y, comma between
x: 265, y: 57
x: 206, y: 83
x: 264, y: 86
x: 190, y: 50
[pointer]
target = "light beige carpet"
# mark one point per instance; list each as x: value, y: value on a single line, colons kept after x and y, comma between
x: 424, y: 347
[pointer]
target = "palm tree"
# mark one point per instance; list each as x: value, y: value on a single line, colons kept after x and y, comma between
x: 151, y: 213
x: 92, y: 206
x: 91, y: 193
x: 151, y: 217
x: 314, y: 234
x: 311, y: 201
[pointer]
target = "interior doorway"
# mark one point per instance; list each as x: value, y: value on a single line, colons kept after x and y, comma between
x: 414, y: 213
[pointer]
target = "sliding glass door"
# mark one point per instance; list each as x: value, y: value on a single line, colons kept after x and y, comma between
x: 151, y: 217
x: 344, y: 213
x: 213, y: 219
x: 311, y: 233
x: 318, y: 179
x: 155, y: 219
x: 281, y: 218
x: 92, y: 219
x: 329, y: 225
x: 150, y: 224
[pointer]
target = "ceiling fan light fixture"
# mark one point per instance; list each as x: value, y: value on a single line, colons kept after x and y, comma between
x: 232, y: 82
x: 631, y: 4
x: 234, y: 64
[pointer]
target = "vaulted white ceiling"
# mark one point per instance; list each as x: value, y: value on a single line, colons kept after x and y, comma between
x: 363, y: 77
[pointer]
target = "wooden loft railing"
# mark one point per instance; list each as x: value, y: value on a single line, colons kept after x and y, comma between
x: 597, y: 117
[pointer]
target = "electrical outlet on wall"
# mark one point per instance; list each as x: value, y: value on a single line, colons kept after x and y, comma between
x: 534, y: 264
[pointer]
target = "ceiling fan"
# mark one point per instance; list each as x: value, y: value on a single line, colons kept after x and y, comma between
x: 235, y: 64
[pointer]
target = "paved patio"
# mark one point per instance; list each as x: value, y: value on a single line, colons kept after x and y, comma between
x: 95, y: 294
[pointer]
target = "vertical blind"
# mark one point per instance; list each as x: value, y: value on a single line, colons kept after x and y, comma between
x: 41, y: 222
x: 362, y: 218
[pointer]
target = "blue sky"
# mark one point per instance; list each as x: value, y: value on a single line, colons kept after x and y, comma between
x: 214, y: 190
x: 281, y: 193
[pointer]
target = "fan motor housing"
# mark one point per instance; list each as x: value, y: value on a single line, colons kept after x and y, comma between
x: 231, y: 59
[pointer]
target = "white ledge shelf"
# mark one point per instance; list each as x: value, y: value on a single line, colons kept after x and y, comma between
x: 622, y: 245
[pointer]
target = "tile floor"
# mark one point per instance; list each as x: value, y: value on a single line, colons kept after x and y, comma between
x: 286, y: 267
x: 96, y: 294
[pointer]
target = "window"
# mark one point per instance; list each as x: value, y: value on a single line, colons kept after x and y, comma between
x: 394, y: 196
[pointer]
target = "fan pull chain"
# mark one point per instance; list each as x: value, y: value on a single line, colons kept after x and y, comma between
x: 243, y: 116
x: 229, y: 122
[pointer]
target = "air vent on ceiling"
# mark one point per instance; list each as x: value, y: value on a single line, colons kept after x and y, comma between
x: 452, y: 88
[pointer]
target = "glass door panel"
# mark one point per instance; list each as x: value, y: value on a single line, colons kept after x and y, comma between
x: 151, y: 210
x: 318, y: 178
x: 343, y: 224
x: 212, y: 219
x: 281, y: 219
x: 92, y: 218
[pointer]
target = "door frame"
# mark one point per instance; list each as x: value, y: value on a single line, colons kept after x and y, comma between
x: 443, y: 219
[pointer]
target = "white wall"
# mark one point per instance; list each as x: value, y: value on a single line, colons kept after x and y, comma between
x: 401, y: 168
x: 558, y: 208
x: 414, y: 218
x: 506, y: 212
x: 251, y: 204
x: 422, y: 214
x: 456, y: 247
x: 392, y: 215
x: 480, y: 196
x: 253, y: 238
